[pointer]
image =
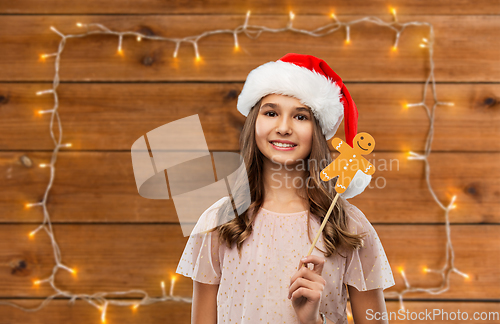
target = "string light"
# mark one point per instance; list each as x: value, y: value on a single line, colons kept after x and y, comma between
x: 236, y: 45
x: 393, y: 11
x: 445, y: 103
x: 163, y: 288
x: 404, y: 278
x: 44, y: 92
x: 349, y: 315
x: 44, y: 56
x: 198, y: 58
x: 251, y: 32
x: 450, y: 254
x: 120, y: 50
x: 176, y: 49
x: 414, y: 104
x: 424, y: 43
x: 246, y: 20
x: 33, y: 204
x: 416, y: 156
x: 103, y: 314
x: 41, y: 112
x: 172, y: 282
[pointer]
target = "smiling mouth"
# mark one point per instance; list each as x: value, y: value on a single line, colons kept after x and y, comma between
x: 287, y: 144
x: 361, y: 147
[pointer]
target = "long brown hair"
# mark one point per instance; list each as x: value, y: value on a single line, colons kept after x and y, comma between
x: 319, y: 193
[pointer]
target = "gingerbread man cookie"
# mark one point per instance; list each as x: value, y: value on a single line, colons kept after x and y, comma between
x: 349, y: 161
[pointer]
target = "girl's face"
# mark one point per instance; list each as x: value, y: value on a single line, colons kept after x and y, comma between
x: 284, y: 119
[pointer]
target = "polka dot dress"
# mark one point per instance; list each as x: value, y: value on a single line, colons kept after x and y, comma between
x: 254, y: 289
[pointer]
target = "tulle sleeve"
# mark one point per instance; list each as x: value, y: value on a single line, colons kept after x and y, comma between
x: 202, y: 256
x: 367, y: 267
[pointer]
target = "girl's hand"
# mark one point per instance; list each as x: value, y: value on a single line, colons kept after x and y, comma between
x: 306, y: 289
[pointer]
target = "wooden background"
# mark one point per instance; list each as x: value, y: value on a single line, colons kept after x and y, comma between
x: 119, y: 241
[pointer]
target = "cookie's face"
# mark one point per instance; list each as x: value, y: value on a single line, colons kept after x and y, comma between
x: 364, y: 142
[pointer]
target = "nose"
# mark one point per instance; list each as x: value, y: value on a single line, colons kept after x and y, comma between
x: 284, y: 125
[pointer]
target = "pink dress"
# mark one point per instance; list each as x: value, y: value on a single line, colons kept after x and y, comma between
x: 255, y: 288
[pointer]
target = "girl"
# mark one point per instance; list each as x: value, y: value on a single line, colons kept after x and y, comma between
x: 249, y: 269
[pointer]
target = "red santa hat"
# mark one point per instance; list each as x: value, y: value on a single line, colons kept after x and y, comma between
x: 312, y: 82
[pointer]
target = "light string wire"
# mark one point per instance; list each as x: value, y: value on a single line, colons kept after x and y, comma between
x: 99, y: 300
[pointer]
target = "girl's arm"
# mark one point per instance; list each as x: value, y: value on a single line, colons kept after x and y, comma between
x: 373, y: 300
x: 204, y: 307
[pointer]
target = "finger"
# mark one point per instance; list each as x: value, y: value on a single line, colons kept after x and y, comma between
x: 317, y: 261
x: 299, y: 273
x: 314, y: 259
x: 311, y: 295
x: 307, y: 273
x: 318, y: 285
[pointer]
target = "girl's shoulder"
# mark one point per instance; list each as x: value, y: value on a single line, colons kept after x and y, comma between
x: 357, y: 221
x: 208, y: 218
x: 371, y: 255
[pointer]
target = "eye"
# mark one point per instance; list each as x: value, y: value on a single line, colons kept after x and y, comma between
x: 362, y: 138
x: 369, y: 144
x: 272, y: 112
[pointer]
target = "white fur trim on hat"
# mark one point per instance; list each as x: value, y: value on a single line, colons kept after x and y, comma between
x: 358, y: 184
x: 311, y: 88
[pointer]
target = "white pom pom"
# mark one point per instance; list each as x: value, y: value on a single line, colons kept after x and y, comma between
x: 357, y: 185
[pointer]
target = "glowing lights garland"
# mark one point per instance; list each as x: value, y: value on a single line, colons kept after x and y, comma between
x: 99, y: 300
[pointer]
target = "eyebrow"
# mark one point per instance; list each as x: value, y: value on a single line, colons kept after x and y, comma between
x: 273, y: 105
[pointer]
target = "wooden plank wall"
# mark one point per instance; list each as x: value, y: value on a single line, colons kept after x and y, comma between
x: 119, y: 241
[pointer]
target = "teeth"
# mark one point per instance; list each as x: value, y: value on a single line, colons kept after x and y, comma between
x: 282, y: 144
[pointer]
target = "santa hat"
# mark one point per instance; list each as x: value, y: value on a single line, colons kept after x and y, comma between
x: 312, y: 82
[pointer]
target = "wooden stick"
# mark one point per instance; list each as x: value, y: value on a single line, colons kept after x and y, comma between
x: 323, y: 225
